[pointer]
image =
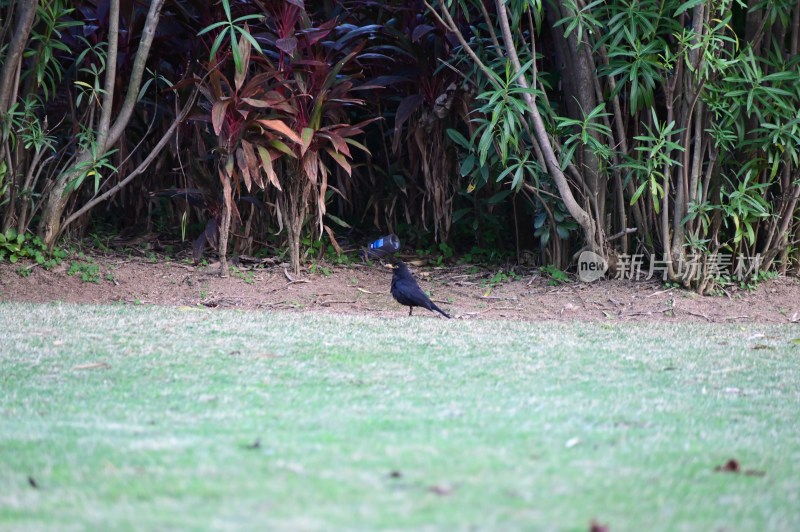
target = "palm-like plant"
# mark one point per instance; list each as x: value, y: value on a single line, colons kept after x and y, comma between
x: 285, y: 116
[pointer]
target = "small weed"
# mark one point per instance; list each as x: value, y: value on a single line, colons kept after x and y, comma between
x: 320, y: 268
x: 759, y: 277
x: 15, y: 246
x: 24, y: 271
x: 246, y: 276
x: 500, y: 277
x: 557, y: 276
x: 481, y: 255
x: 89, y: 272
x: 98, y: 243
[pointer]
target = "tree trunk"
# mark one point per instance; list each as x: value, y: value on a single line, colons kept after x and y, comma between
x: 592, y: 233
x: 13, y: 57
x: 108, y: 134
x: 578, y: 84
x: 9, y: 87
x: 294, y: 209
x: 225, y: 226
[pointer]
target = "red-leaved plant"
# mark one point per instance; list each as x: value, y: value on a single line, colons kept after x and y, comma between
x: 284, y: 118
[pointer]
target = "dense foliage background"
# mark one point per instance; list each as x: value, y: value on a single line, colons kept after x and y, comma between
x: 666, y: 129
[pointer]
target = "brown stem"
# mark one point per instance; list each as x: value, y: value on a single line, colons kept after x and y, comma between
x: 50, y: 226
x: 13, y: 57
x: 89, y: 205
x: 593, y: 238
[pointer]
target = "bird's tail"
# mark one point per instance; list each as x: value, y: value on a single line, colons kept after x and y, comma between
x: 440, y: 311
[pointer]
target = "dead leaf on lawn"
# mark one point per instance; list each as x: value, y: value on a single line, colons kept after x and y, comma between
x: 594, y: 526
x: 33, y: 483
x: 760, y: 346
x: 441, y: 490
x: 92, y: 365
x: 58, y: 343
x: 733, y: 466
x: 395, y: 474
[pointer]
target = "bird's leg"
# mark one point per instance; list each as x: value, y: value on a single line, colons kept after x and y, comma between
x: 409, y: 310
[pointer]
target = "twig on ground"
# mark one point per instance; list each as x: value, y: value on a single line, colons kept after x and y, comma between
x: 699, y: 315
x: 92, y: 365
x: 336, y: 301
x: 661, y: 292
x: 487, y: 310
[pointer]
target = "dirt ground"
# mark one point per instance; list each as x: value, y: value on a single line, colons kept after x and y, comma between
x: 363, y: 289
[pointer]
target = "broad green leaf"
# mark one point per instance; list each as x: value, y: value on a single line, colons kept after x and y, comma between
x: 266, y: 162
x: 458, y: 138
x: 306, y: 136
x: 338, y: 221
x: 340, y: 160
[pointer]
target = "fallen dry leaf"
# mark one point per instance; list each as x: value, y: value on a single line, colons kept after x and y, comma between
x: 733, y: 466
x: 594, y: 526
x: 441, y: 490
x: 92, y: 365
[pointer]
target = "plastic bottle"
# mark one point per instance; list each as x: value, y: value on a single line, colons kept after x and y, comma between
x: 383, y: 246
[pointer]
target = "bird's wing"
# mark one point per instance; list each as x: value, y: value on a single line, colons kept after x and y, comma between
x: 412, y: 290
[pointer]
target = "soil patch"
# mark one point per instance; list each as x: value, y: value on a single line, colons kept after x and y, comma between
x: 466, y: 292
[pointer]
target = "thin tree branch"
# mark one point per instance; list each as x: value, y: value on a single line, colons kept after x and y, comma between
x: 149, y: 31
x: 575, y: 210
x: 450, y: 25
x: 13, y: 56
x: 111, y: 75
x: 139, y: 169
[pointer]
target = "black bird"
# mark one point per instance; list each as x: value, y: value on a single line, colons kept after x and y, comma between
x: 406, y: 291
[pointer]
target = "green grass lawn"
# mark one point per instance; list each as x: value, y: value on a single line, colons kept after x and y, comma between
x: 160, y: 418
